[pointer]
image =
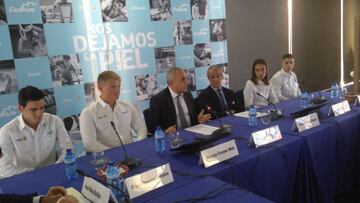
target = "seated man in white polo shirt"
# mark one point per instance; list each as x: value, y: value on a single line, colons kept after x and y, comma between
x: 95, y: 120
x: 28, y: 141
x: 284, y: 82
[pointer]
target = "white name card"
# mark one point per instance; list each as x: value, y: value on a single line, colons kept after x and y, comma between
x: 266, y: 136
x: 94, y: 191
x: 307, y: 122
x: 219, y: 153
x: 149, y: 180
x: 340, y: 108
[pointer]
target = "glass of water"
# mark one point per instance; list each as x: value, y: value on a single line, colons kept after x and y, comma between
x: 175, y: 140
x: 99, y: 159
x: 342, y: 92
x: 265, y: 116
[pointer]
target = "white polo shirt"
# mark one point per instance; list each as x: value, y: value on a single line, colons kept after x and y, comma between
x: 25, y: 149
x: 98, y: 134
x: 285, y: 85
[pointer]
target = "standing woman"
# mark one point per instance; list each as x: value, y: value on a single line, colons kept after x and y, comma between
x: 259, y: 84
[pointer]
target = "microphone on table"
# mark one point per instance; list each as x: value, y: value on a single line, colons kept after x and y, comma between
x: 222, y: 131
x: 319, y: 99
x: 106, y: 184
x: 129, y: 162
x: 275, y: 114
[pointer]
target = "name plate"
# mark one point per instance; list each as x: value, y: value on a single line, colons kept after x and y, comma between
x: 94, y: 191
x: 219, y: 153
x: 306, y: 122
x: 149, y: 180
x: 340, y: 108
x: 266, y: 136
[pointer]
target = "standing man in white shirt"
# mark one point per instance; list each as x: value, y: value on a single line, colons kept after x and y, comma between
x: 95, y: 120
x: 28, y: 141
x: 284, y: 82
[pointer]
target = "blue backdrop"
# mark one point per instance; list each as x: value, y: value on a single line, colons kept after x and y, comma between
x: 60, y: 46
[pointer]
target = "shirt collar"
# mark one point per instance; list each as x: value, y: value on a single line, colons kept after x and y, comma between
x: 173, y: 94
x: 260, y: 82
x: 287, y: 73
x: 216, y: 89
x: 22, y: 123
x: 102, y: 102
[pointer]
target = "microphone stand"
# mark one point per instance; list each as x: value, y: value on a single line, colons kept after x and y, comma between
x: 129, y: 162
x: 318, y: 100
x: 275, y: 114
x: 106, y: 184
x: 222, y: 131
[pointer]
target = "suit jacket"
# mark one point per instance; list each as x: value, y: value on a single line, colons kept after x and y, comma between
x: 163, y: 113
x: 13, y: 198
x: 208, y: 97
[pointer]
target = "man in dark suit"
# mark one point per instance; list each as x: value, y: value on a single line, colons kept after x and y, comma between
x: 220, y: 99
x: 173, y: 108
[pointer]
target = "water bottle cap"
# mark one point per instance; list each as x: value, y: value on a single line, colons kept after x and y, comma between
x: 68, y: 150
x: 157, y: 127
x: 111, y: 163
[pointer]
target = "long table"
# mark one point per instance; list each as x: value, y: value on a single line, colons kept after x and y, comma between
x: 328, y: 161
x: 269, y: 172
x: 311, y: 166
x: 208, y: 190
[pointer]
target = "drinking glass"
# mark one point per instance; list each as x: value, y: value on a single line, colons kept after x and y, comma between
x: 175, y: 140
x: 99, y: 159
x: 265, y: 116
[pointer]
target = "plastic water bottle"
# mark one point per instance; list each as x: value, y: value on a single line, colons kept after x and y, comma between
x: 112, y: 177
x: 70, y: 164
x: 304, y: 100
x: 334, y: 91
x: 252, y: 116
x: 159, y: 140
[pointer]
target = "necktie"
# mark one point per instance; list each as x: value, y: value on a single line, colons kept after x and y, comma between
x: 183, y: 122
x: 222, y: 101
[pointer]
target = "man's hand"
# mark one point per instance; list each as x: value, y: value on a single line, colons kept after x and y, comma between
x: 53, y: 195
x: 203, y: 118
x: 171, y: 129
x: 68, y: 199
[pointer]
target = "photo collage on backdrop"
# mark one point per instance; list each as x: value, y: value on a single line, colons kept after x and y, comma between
x: 39, y: 39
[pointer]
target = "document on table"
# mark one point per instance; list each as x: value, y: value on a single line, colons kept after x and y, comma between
x: 72, y: 191
x: 202, y: 129
x: 245, y: 114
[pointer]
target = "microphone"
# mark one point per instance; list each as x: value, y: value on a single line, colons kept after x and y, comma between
x: 129, y: 162
x: 106, y: 184
x: 218, y: 133
x: 214, y: 113
x: 319, y: 99
x: 275, y: 114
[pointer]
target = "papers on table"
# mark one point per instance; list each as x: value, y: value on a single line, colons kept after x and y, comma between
x: 245, y: 114
x: 72, y: 191
x: 202, y: 129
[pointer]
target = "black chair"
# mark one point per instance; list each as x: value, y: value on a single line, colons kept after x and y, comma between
x: 197, y: 104
x: 239, y: 100
x: 148, y: 123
